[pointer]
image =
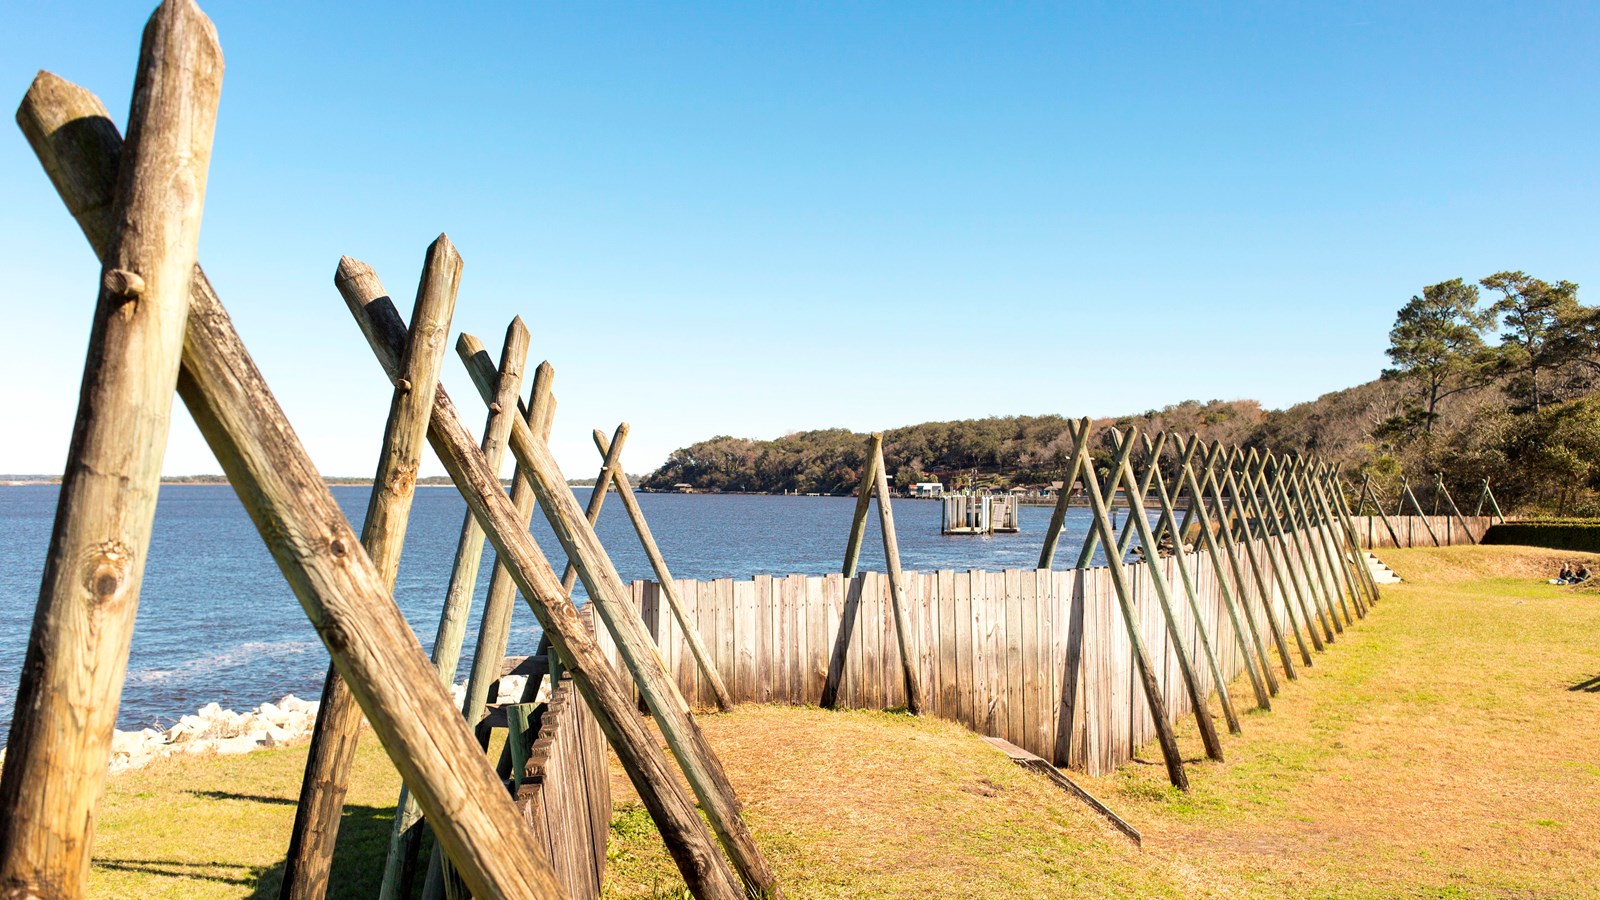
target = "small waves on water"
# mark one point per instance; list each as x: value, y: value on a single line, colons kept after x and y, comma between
x: 217, y: 622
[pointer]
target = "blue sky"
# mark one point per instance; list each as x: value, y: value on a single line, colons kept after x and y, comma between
x: 760, y: 218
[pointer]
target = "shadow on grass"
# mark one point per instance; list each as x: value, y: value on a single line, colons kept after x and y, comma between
x: 1591, y: 686
x: 357, y: 858
x: 188, y: 871
x: 251, y: 798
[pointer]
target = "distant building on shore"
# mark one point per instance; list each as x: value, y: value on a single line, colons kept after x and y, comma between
x: 927, y: 489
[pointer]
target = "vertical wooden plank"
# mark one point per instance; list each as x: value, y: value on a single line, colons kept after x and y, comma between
x: 927, y: 619
x: 1019, y: 598
x: 982, y: 678
x: 997, y: 653
x: 961, y: 597
x: 815, y: 657
x: 944, y: 594
x: 763, y: 588
x: 745, y: 641
x: 794, y: 618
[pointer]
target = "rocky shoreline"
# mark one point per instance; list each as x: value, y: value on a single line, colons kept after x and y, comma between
x: 212, y: 729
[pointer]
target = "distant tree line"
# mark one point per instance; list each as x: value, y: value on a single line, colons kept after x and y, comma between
x: 1498, y: 379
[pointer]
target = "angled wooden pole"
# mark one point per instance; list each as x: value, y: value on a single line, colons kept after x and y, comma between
x: 1333, y: 493
x: 77, y: 656
x: 1406, y: 494
x: 858, y: 521
x: 544, y: 661
x: 494, y: 629
x: 1389, y: 526
x: 1322, y: 547
x: 1451, y: 502
x: 1119, y: 580
x: 897, y: 593
x: 1136, y: 515
x: 1305, y: 515
x: 1493, y: 503
x: 405, y: 834
x: 383, y: 533
x: 684, y: 832
x: 1350, y: 566
x: 1262, y: 680
x: 1280, y: 515
x: 1169, y: 523
x: 1248, y: 541
x: 1058, y: 516
x: 669, y: 586
x: 1483, y: 493
x: 1361, y: 504
x: 609, y: 597
x: 1276, y: 545
x: 335, y: 580
x: 1298, y: 526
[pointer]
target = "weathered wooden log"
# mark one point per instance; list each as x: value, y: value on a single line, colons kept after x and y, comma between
x: 597, y: 497
x: 1335, y: 493
x: 494, y: 630
x: 684, y: 832
x: 669, y: 587
x: 1443, y: 491
x: 1136, y: 516
x: 1248, y: 540
x: 897, y: 590
x: 613, y: 602
x: 77, y: 657
x: 1323, y: 547
x: 1208, y: 489
x: 1124, y: 590
x: 858, y: 520
x: 1058, y: 515
x: 446, y: 655
x: 338, y: 727
x: 1169, y: 522
x: 1277, y: 536
x: 1406, y: 494
x: 335, y: 580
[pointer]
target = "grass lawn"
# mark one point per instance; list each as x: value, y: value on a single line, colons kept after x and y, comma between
x: 1447, y: 746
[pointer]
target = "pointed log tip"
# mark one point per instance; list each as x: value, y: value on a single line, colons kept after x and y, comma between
x: 350, y: 267
x: 467, y: 345
x: 545, y: 370
x: 622, y: 430
x: 177, y: 10
x: 599, y: 435
x: 442, y: 248
x: 517, y: 327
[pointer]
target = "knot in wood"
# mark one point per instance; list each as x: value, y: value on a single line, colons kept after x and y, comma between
x: 105, y: 575
x: 122, y: 283
x: 494, y: 408
x: 402, y: 385
x: 337, y: 548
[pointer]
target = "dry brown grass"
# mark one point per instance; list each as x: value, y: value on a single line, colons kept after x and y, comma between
x: 1438, y: 749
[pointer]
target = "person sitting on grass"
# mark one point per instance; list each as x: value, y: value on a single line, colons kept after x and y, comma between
x: 1564, y: 576
x: 1581, y: 574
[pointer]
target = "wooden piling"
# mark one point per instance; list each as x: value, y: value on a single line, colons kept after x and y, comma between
x: 682, y: 829
x: 1248, y: 541
x: 1406, y: 494
x: 77, y: 656
x: 1332, y: 489
x: 1058, y: 516
x: 301, y: 524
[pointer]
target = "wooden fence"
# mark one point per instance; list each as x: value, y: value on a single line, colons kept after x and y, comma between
x: 565, y: 795
x: 1413, y: 531
x: 1040, y: 658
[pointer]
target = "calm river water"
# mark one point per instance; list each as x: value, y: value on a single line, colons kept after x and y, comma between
x: 217, y: 622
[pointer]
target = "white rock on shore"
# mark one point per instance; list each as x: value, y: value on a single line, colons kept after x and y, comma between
x: 213, y: 729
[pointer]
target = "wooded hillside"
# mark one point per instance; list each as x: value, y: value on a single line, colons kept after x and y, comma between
x: 1521, y: 408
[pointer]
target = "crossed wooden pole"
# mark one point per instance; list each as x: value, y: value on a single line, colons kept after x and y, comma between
x: 140, y: 210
